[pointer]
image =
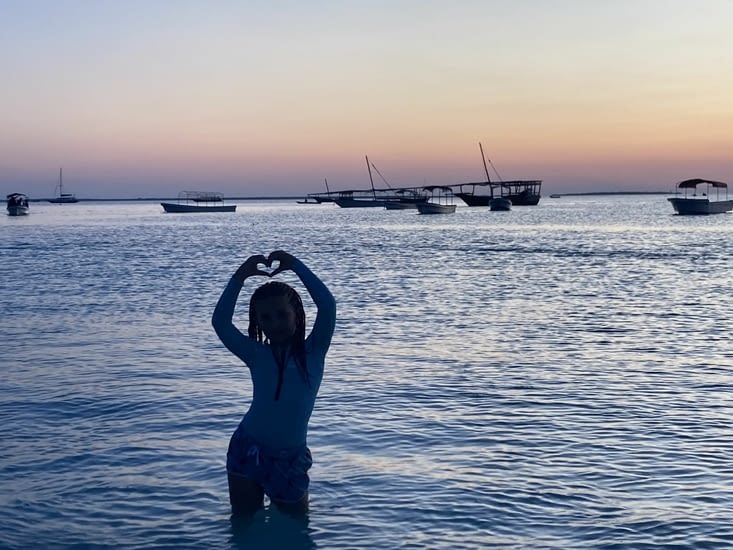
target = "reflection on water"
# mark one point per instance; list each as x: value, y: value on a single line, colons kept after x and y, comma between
x: 556, y: 376
x: 270, y: 528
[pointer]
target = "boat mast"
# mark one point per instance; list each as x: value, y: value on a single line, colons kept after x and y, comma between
x: 381, y: 176
x: 374, y: 193
x: 483, y: 157
x: 61, y: 182
x: 327, y: 191
x: 486, y: 169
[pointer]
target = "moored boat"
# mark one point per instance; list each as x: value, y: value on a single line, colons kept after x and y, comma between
x: 17, y: 204
x: 440, y: 200
x: 198, y: 201
x: 318, y: 198
x: 62, y: 198
x: 351, y: 202
x: 701, y: 204
x: 519, y: 192
x: 363, y: 198
x: 405, y: 199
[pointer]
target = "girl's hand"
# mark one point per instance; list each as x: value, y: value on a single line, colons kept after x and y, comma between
x: 250, y: 267
x: 285, y: 261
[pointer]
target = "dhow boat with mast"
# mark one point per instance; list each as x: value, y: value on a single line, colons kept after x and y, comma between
x: 358, y: 198
x: 519, y: 192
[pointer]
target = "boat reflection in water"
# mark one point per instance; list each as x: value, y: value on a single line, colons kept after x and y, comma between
x: 500, y: 204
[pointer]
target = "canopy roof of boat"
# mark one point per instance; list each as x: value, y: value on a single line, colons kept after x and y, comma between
x: 16, y: 195
x: 691, y: 184
x: 445, y: 188
x: 201, y: 196
x: 502, y: 182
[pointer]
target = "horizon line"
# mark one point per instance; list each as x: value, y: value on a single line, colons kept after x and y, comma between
x: 296, y: 197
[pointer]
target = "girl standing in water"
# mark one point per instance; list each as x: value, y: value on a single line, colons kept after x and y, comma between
x: 268, y: 452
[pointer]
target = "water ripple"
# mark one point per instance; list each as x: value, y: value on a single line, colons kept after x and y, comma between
x: 556, y: 378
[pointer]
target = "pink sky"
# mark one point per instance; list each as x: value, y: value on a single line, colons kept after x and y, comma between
x: 147, y: 99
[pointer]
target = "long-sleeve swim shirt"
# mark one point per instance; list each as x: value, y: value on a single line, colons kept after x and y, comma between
x: 282, y: 423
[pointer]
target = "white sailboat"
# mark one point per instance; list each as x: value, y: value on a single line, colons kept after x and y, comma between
x: 62, y: 197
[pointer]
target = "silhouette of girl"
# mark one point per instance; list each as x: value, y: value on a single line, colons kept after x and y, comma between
x: 268, y: 452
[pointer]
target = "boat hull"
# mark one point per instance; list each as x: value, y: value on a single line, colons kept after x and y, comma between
x: 396, y: 205
x: 434, y: 208
x: 524, y: 200
x: 360, y: 203
x: 64, y: 200
x: 403, y: 204
x: 17, y: 210
x: 521, y: 199
x: 181, y: 208
x: 699, y: 207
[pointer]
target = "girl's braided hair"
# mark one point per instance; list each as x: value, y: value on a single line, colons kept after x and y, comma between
x: 297, y: 349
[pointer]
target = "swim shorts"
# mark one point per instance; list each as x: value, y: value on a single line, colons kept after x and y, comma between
x: 283, y: 474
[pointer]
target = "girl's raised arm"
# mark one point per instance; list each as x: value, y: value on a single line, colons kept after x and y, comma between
x: 239, y: 344
x: 323, y: 326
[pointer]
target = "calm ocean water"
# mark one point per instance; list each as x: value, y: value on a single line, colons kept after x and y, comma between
x: 558, y: 376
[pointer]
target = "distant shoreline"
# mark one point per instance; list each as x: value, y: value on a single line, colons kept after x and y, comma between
x: 614, y: 193
x: 300, y: 197
x: 174, y: 199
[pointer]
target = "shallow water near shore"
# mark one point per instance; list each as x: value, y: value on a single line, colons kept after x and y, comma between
x: 556, y: 376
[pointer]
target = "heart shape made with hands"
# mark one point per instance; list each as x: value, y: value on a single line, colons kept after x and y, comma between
x: 270, y: 267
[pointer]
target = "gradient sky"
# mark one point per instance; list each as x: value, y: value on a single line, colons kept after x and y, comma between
x: 150, y: 97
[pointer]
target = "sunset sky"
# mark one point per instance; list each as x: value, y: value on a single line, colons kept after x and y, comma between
x: 150, y: 97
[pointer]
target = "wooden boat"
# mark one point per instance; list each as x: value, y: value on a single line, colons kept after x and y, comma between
x: 406, y: 199
x: 522, y: 192
x: 358, y: 199
x: 440, y: 200
x: 362, y: 199
x: 62, y: 198
x: 198, y: 201
x: 319, y: 198
x: 17, y: 204
x: 392, y: 199
x: 701, y: 204
x: 519, y: 192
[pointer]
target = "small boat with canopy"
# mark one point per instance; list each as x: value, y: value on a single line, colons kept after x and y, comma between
x: 693, y: 202
x: 198, y: 201
x: 17, y: 204
x: 440, y: 200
